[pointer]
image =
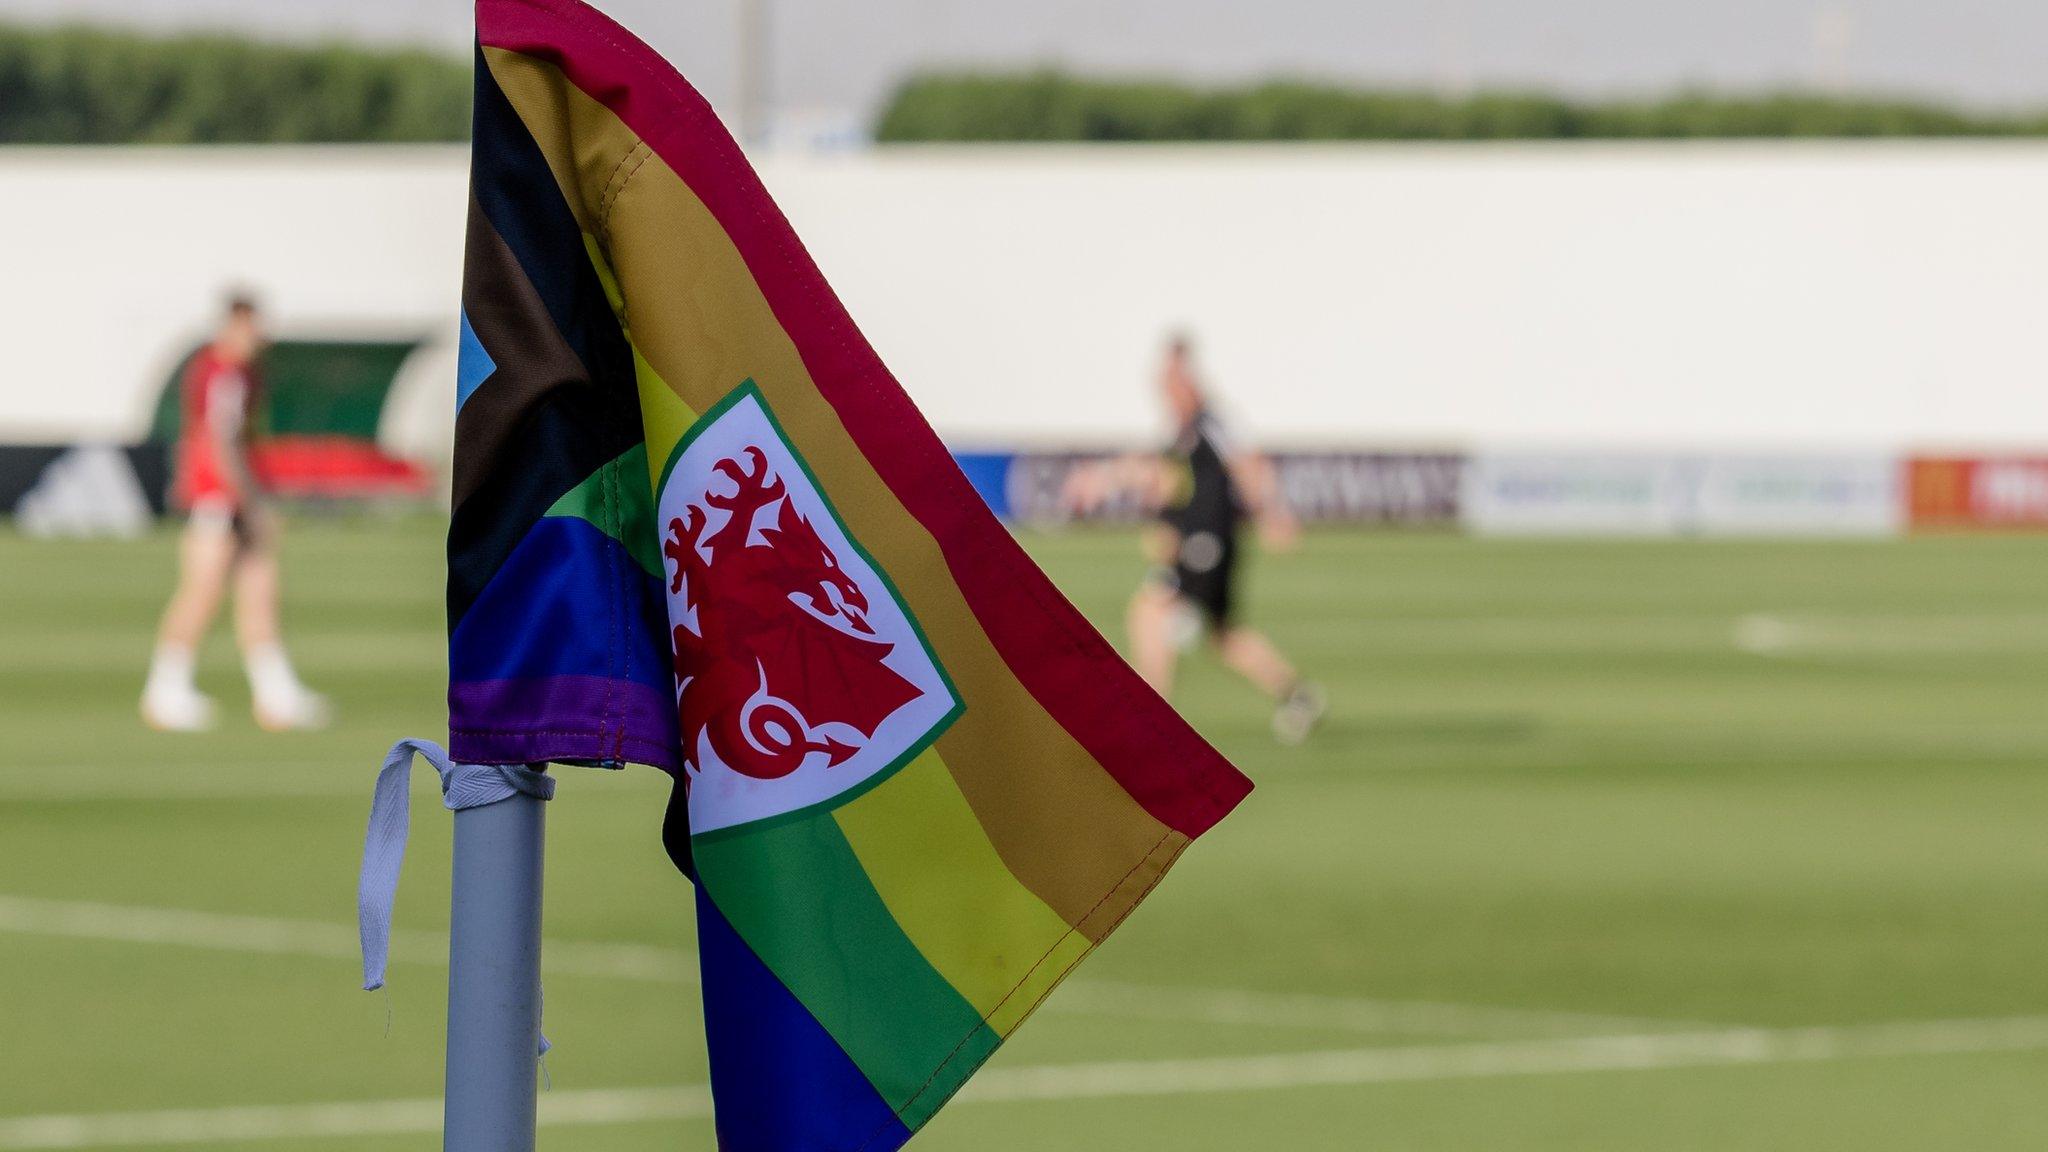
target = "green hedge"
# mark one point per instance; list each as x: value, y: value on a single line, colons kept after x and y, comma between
x: 79, y: 85
x: 1054, y: 106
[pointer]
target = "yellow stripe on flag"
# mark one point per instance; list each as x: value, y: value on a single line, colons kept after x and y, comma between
x: 927, y: 855
x: 577, y: 136
x: 663, y: 415
x: 591, y: 155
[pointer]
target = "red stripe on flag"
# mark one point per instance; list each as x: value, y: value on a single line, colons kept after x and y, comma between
x: 1052, y: 650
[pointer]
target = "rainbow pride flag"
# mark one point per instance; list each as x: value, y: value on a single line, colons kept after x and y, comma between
x: 698, y: 526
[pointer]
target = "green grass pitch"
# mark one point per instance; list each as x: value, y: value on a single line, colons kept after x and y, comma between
x: 1773, y: 813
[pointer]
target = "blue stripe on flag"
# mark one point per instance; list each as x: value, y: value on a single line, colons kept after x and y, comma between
x: 537, y: 618
x: 473, y: 367
x: 781, y: 1083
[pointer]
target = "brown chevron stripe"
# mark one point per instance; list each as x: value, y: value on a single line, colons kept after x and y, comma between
x: 533, y: 359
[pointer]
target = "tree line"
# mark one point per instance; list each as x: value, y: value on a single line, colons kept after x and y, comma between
x: 1055, y: 106
x: 84, y: 85
x: 87, y: 85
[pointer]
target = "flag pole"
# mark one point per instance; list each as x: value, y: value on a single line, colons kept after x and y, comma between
x: 756, y: 118
x: 494, y: 977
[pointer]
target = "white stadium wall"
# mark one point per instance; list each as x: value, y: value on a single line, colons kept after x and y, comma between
x: 1619, y: 297
x: 117, y: 261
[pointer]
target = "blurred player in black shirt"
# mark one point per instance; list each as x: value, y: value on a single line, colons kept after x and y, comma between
x: 1206, y: 490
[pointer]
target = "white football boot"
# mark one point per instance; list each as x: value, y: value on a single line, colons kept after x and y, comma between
x: 283, y: 703
x: 1299, y: 714
x: 173, y: 707
x: 301, y: 710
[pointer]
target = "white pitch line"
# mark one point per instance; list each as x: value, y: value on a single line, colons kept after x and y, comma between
x: 1134, y: 1078
x: 1635, y: 1053
x: 312, y: 1121
x: 265, y: 935
x: 1340, y: 1013
x: 1771, y: 634
x: 656, y: 964
x: 62, y: 783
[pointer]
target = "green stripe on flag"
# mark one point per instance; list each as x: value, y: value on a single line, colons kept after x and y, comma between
x: 616, y: 501
x: 796, y: 893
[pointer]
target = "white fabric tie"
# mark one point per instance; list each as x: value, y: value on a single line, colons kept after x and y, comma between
x: 462, y: 786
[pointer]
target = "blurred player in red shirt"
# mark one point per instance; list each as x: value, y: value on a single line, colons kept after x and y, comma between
x: 230, y: 539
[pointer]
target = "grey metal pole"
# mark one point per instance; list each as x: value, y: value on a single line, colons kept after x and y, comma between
x: 756, y: 75
x: 494, y: 977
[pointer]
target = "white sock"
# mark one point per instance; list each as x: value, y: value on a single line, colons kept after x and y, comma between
x: 270, y: 673
x: 170, y: 669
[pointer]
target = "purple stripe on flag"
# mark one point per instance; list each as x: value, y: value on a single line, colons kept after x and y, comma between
x: 562, y: 718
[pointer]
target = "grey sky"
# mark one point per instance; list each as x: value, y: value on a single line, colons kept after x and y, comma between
x: 840, y: 56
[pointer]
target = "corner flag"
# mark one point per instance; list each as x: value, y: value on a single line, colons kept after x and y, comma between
x: 698, y: 526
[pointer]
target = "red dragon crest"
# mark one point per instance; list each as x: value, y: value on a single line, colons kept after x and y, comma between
x: 776, y: 657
